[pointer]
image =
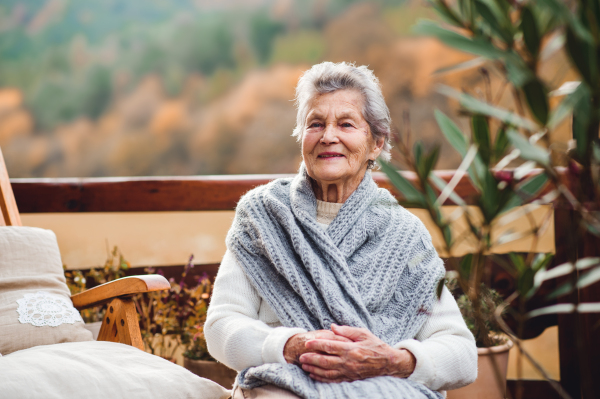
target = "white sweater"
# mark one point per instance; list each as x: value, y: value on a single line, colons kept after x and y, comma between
x: 242, y: 330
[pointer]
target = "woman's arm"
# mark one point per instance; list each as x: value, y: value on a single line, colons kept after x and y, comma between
x: 234, y: 334
x: 444, y: 348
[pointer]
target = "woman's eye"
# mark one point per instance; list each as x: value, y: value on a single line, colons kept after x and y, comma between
x: 315, y: 124
x: 346, y: 124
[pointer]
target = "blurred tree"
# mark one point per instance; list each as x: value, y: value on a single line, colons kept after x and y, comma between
x: 263, y: 32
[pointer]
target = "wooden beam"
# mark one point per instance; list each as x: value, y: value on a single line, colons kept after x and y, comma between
x: 9, y: 213
x: 156, y: 194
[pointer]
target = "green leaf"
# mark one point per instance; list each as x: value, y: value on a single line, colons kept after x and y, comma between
x: 537, y: 99
x: 501, y: 144
x: 525, y: 281
x: 518, y: 73
x: 541, y: 261
x: 596, y: 151
x: 477, y: 46
x: 418, y: 151
x: 554, y: 44
x: 495, y: 21
x: 529, y: 151
x: 465, y: 266
x: 481, y: 137
x: 480, y: 107
x: 531, y: 35
x: 593, y: 307
x: 552, y: 309
x: 571, y: 101
x: 440, y: 288
x: 447, y: 13
x: 441, y: 185
x: 430, y: 161
x: 461, y: 66
x: 531, y: 187
x: 410, y: 193
x: 452, y: 133
x: 582, y: 113
x: 518, y: 262
x: 561, y: 10
x: 583, y: 56
x: 489, y: 199
x: 589, y: 278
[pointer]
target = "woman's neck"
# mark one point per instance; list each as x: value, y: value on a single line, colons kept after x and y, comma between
x: 336, y: 191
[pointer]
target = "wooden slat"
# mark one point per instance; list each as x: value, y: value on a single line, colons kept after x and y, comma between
x: 155, y: 194
x: 9, y: 213
x: 120, y: 324
x: 565, y: 224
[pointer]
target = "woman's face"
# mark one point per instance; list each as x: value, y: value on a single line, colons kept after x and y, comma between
x: 337, y: 143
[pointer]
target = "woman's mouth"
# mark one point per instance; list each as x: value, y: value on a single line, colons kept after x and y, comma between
x: 330, y: 155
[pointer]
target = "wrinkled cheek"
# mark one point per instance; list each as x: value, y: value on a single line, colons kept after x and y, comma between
x: 358, y: 156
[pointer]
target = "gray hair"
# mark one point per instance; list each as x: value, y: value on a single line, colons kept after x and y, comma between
x: 328, y: 77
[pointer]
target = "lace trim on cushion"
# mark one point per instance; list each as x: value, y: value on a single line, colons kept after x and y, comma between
x: 45, y: 309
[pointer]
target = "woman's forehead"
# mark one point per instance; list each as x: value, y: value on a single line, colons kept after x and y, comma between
x: 343, y: 103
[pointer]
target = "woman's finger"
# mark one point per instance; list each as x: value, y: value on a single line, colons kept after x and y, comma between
x: 322, y: 361
x: 327, y: 334
x: 321, y: 379
x: 353, y: 333
x: 327, y: 346
x: 323, y: 373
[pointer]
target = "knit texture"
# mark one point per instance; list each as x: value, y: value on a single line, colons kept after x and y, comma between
x: 374, y: 267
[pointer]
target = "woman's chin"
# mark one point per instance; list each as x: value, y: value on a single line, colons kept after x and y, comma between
x: 330, y: 175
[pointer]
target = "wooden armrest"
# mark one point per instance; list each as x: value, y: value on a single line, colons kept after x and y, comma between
x: 125, y: 286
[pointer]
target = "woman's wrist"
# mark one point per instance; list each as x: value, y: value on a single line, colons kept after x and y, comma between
x: 402, y: 363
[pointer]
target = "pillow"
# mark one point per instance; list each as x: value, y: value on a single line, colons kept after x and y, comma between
x: 99, y: 370
x: 35, y: 302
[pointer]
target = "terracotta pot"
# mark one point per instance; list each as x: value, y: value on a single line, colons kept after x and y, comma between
x: 487, y: 385
x: 214, y: 371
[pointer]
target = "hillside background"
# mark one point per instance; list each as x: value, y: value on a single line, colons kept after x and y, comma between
x: 182, y: 87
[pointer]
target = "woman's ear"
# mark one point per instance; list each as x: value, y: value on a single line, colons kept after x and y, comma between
x: 376, y: 151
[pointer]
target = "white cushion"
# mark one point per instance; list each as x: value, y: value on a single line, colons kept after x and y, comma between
x: 98, y: 370
x: 30, y: 263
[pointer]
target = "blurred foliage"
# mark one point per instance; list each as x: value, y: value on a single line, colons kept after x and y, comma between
x: 513, y: 39
x: 114, y: 268
x: 490, y: 301
x: 68, y: 56
x: 175, y: 317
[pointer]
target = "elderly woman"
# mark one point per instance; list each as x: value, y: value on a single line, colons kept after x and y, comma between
x: 327, y: 289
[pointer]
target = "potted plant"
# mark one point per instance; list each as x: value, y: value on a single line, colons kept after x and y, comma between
x: 517, y: 106
x: 174, y: 319
x: 114, y: 268
x: 493, y: 355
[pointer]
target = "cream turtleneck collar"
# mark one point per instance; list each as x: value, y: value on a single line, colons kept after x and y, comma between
x: 326, y: 212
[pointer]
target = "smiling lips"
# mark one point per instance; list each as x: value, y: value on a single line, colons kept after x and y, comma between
x: 330, y: 155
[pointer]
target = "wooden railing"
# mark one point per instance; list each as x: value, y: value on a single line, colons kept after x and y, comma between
x: 155, y: 194
x: 210, y: 193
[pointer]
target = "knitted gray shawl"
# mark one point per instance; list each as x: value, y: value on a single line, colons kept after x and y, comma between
x: 374, y: 267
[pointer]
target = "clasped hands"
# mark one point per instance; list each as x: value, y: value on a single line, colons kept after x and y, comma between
x: 347, y: 354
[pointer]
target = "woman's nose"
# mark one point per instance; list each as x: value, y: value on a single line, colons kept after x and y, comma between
x: 329, y: 135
